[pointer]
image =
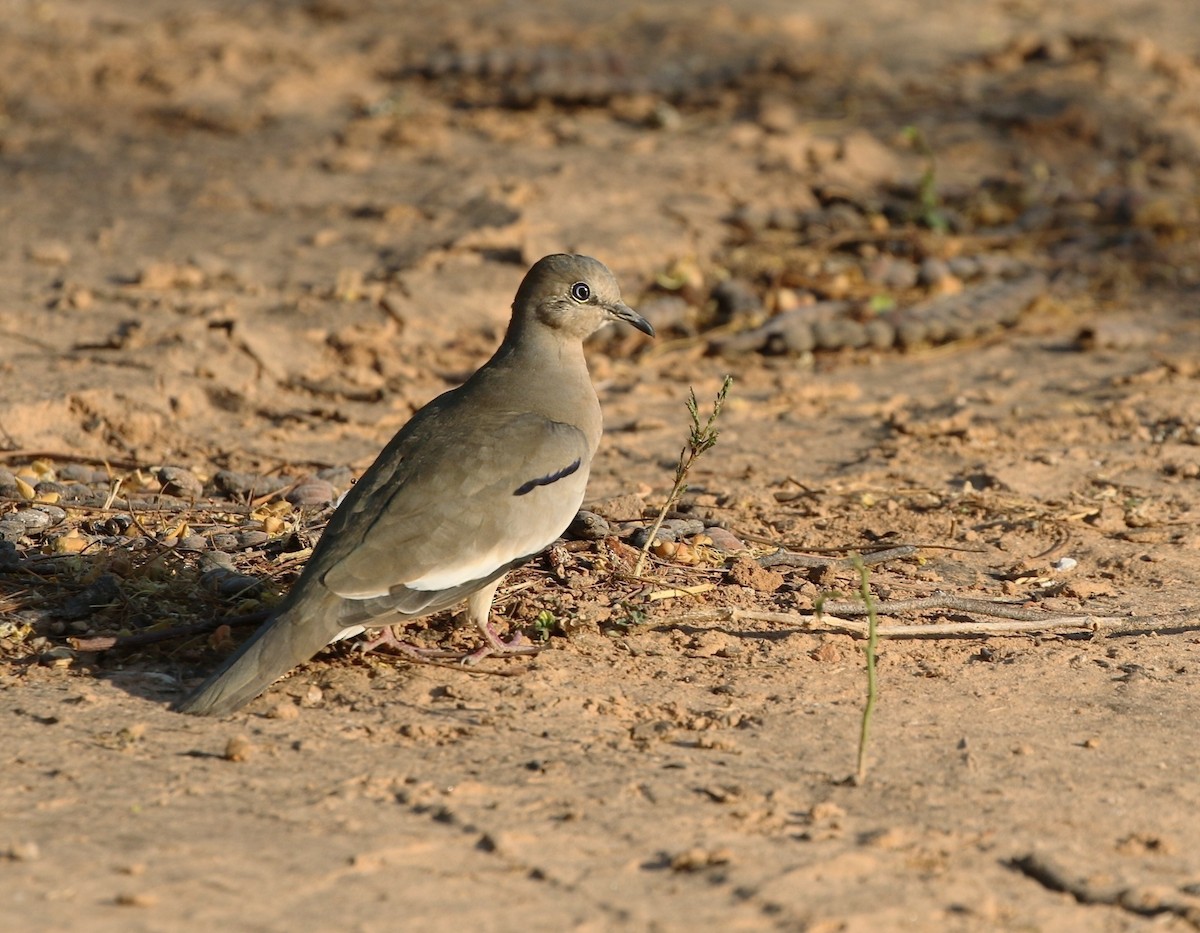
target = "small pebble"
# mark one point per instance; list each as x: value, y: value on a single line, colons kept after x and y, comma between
x: 934, y: 272
x: 251, y: 538
x: 284, y: 709
x: 312, y: 697
x: 58, y: 656
x: 964, y: 267
x: 684, y: 527
x: 735, y: 299
x: 32, y: 519
x: 229, y: 583
x: 179, y: 481
x: 588, y: 526
x: 724, y: 541
x: 132, y: 899
x: 26, y: 851
x: 340, y: 477
x: 641, y: 535
x: 891, y: 272
x: 243, y: 484
x: 238, y: 748
x: 54, y: 514
x: 1065, y: 563
x: 312, y: 492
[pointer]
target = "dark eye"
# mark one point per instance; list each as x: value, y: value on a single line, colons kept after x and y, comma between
x: 580, y: 291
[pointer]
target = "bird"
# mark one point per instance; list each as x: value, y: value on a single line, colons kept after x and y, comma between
x: 479, y: 481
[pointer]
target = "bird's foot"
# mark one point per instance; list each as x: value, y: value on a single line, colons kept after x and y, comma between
x: 496, y: 647
x: 386, y: 638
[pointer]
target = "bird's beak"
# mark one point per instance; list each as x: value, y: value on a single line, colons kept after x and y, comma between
x: 622, y: 312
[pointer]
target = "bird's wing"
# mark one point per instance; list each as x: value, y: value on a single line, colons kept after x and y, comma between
x: 458, y: 507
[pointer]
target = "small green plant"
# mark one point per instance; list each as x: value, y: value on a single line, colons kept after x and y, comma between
x: 631, y: 616
x: 544, y: 625
x: 864, y: 589
x: 701, y: 439
x: 929, y: 203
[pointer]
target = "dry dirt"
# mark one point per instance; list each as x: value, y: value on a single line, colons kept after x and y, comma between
x: 257, y: 236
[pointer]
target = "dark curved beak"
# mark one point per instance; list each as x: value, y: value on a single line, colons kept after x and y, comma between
x: 622, y: 312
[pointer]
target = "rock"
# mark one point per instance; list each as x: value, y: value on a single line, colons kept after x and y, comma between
x: 311, y: 493
x: 245, y: 484
x: 684, y: 527
x: 179, y: 481
x: 54, y: 514
x: 641, y: 535
x: 934, y: 272
x: 588, y: 526
x: 251, y: 538
x: 100, y: 593
x: 624, y: 508
x: 735, y: 299
x: 33, y: 520
x: 724, y: 541
x: 230, y: 584
x: 745, y: 572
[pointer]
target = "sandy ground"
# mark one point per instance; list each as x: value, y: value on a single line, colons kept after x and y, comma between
x: 258, y: 236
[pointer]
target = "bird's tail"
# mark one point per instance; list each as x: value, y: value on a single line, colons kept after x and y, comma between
x: 290, y: 637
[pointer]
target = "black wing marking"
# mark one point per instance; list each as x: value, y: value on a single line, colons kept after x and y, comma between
x: 526, y: 488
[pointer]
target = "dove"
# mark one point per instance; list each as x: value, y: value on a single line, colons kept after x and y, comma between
x: 477, y: 482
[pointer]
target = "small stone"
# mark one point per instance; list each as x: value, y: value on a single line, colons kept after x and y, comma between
x: 32, y: 519
x: 11, y: 530
x: 684, y: 527
x: 251, y: 538
x: 934, y: 272
x: 624, y: 508
x: 193, y: 543
x: 697, y: 859
x: 179, y: 481
x: 641, y: 536
x: 238, y: 748
x: 745, y: 572
x: 735, y: 299
x: 230, y: 584
x: 50, y: 252
x: 724, y: 541
x: 100, y: 593
x: 964, y: 267
x: 312, y: 697
x: 224, y: 542
x: 244, y: 484
x: 54, y: 514
x: 588, y: 526
x: 892, y: 273
x: 59, y: 656
x: 284, y: 709
x: 340, y: 477
x: 135, y: 899
x: 26, y: 851
x: 312, y: 492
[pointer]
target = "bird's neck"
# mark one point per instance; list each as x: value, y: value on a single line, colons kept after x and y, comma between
x: 555, y: 367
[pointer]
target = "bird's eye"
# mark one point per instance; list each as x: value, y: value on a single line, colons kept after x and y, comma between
x: 580, y: 291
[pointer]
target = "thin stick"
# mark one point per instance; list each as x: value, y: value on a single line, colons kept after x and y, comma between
x: 987, y: 607
x: 783, y: 558
x: 827, y: 622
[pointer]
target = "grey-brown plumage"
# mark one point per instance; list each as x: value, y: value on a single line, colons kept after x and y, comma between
x: 477, y: 482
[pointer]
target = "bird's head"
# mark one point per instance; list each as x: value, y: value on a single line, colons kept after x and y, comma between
x: 575, y: 295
